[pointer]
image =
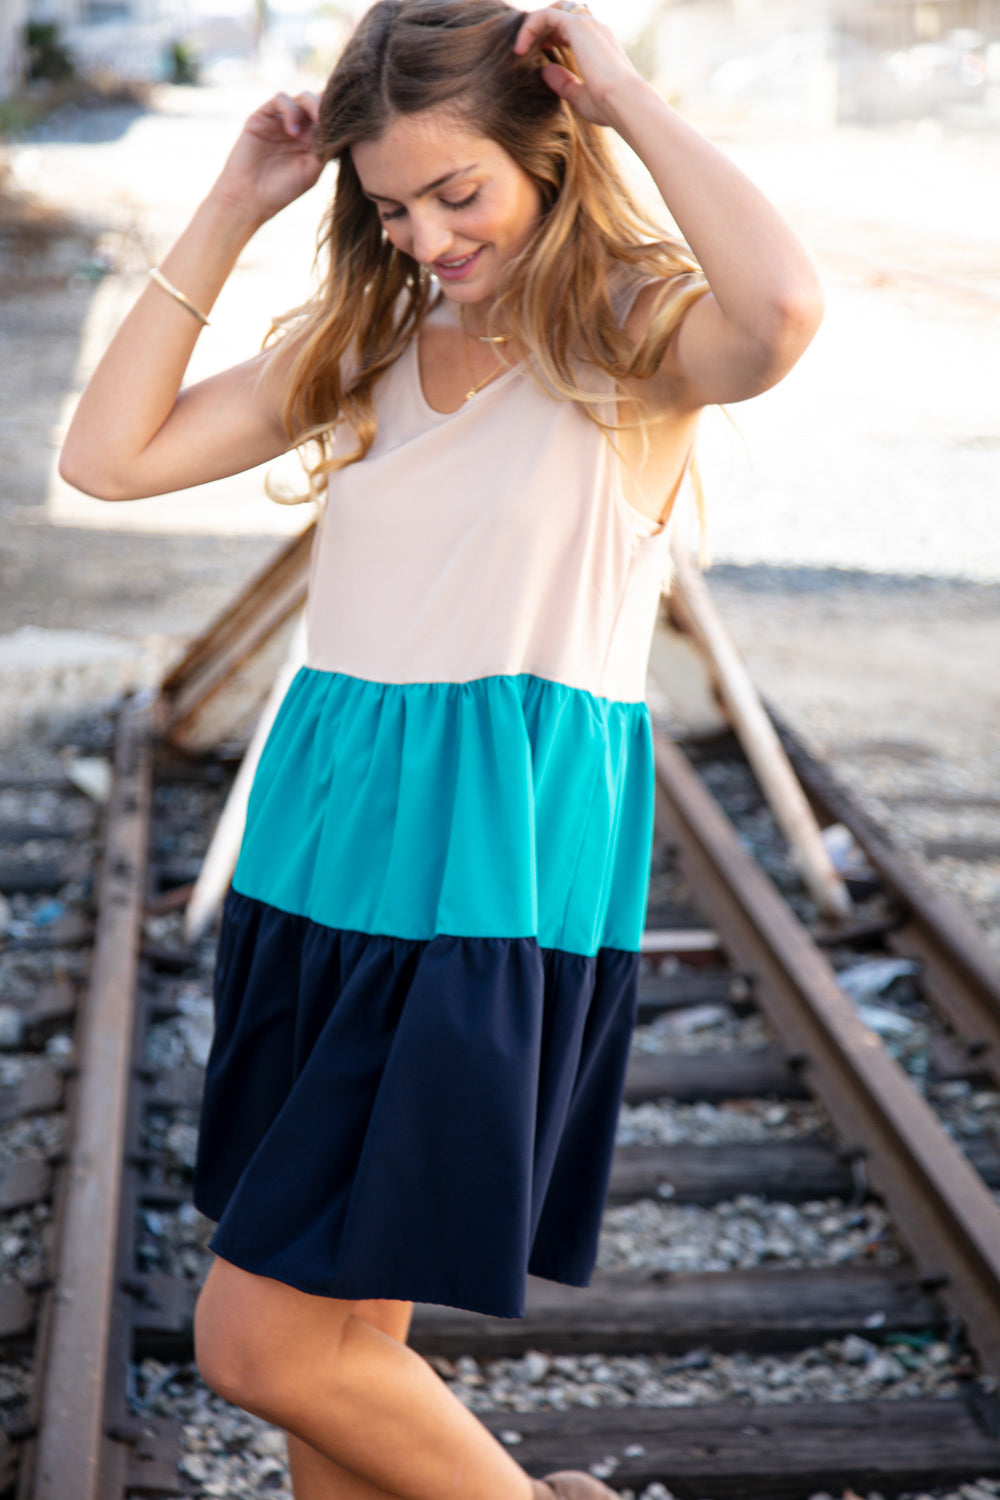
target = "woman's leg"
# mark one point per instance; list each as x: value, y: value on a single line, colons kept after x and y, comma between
x: 316, y: 1477
x: 348, y: 1390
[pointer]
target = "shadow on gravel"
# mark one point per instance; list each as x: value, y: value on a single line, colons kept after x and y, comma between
x: 97, y: 122
x: 84, y: 124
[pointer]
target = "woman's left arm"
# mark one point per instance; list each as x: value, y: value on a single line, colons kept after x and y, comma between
x: 765, y: 301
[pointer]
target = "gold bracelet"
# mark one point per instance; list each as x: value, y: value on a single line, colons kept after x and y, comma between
x: 157, y: 275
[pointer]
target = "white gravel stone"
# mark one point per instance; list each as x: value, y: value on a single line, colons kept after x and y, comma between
x: 11, y: 1023
x: 40, y: 1135
x: 897, y: 1372
x: 745, y: 1232
x: 747, y: 1120
x: 703, y: 1028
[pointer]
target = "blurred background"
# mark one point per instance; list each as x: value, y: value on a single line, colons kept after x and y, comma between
x: 853, y: 510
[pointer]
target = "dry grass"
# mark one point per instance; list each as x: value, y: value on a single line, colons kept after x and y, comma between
x: 22, y: 110
x: 37, y: 241
x: 26, y: 224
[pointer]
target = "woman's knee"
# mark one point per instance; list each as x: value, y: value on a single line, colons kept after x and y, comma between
x: 251, y: 1334
x: 223, y: 1340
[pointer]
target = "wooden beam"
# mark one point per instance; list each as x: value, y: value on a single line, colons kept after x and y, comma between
x: 216, y: 689
x: 761, y: 1452
x: 760, y: 741
x: 761, y: 1309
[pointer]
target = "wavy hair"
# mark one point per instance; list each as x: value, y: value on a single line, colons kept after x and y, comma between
x: 407, y: 56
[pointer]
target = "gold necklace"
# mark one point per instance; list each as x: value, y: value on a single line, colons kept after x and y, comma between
x: 503, y: 338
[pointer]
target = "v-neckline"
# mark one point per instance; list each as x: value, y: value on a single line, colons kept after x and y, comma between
x: 470, y: 401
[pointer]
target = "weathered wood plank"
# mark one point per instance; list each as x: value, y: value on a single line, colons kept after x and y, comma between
x: 660, y: 992
x: 35, y: 877
x: 51, y: 1003
x: 965, y: 849
x: 163, y: 1317
x: 752, y: 1310
x: 37, y: 1094
x: 789, y: 1170
x: 150, y: 1464
x: 680, y: 942
x: 17, y: 1311
x: 177, y: 1088
x: 779, y: 1452
x: 670, y: 915
x: 7, y: 1463
x: 74, y: 930
x: 22, y: 830
x: 688, y: 1077
x: 950, y: 1058
x: 763, y: 1309
x: 23, y: 1183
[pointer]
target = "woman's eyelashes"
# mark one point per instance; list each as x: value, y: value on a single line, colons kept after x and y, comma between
x: 397, y: 213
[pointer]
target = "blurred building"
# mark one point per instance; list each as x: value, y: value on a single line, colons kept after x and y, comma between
x: 818, y: 63
x: 801, y: 62
x: 125, y: 36
x: 13, y: 15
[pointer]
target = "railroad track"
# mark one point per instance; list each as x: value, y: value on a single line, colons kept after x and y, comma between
x: 89, y: 1339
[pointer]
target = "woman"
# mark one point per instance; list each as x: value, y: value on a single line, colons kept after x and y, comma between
x: 426, y: 974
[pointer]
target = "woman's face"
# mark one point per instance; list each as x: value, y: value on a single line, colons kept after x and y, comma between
x: 452, y: 199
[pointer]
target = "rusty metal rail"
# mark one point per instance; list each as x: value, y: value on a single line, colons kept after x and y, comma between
x: 71, y: 1457
x: 960, y: 973
x: 941, y: 1206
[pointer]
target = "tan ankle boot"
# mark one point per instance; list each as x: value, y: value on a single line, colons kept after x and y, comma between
x: 571, y: 1485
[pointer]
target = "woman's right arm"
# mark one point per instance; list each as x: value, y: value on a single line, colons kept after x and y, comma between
x: 135, y: 432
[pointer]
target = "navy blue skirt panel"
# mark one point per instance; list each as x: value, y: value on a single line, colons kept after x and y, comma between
x: 420, y: 1120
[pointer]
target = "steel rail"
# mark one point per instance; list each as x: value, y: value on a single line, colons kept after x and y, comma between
x: 959, y: 970
x: 940, y: 1205
x: 70, y: 1452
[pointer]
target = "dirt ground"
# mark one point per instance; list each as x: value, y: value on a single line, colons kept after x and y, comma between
x: 853, y: 509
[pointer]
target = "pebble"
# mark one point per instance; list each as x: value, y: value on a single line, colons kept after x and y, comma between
x: 11, y: 1028
x: 175, y: 1243
x: 16, y: 1385
x: 26, y: 1244
x: 40, y: 1135
x: 92, y: 775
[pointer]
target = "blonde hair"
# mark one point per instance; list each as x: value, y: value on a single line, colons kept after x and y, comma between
x: 556, y: 296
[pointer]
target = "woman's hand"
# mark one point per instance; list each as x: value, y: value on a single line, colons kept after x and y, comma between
x: 273, y: 162
x: 604, y: 66
x: 134, y: 431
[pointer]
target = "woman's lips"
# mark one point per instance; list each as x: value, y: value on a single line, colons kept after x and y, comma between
x: 457, y: 268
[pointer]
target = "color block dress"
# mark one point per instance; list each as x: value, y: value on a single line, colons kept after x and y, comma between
x: 426, y: 975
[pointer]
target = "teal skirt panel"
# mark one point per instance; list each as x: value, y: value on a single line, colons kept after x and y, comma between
x: 505, y: 807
